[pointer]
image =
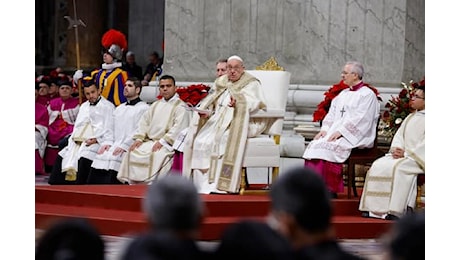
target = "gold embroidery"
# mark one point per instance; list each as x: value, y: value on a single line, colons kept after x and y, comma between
x: 270, y: 64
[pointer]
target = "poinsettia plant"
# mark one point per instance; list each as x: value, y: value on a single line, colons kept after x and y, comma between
x: 330, y: 94
x: 192, y: 94
x: 398, y: 108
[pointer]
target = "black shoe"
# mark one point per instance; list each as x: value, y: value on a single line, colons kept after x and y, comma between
x: 391, y: 217
x: 365, y: 214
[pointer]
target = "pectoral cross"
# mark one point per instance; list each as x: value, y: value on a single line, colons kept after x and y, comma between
x: 342, y: 111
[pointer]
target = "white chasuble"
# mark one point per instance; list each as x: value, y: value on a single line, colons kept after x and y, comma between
x: 390, y: 184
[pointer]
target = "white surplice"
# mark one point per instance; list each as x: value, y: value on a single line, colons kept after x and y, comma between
x: 391, y: 184
x: 163, y: 122
x: 207, y: 141
x: 93, y: 121
x: 354, y: 114
x: 126, y: 119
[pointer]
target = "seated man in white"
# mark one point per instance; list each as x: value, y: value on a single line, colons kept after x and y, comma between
x: 151, y: 155
x: 93, y: 129
x: 126, y: 118
x: 391, y: 182
x: 215, y: 142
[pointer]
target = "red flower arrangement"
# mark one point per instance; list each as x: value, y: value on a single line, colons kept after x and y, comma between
x: 193, y: 94
x: 398, y: 108
x: 330, y: 94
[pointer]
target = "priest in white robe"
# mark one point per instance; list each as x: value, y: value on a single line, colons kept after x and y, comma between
x: 391, y: 182
x: 350, y: 123
x: 93, y: 128
x: 151, y: 155
x: 126, y: 117
x: 215, y: 142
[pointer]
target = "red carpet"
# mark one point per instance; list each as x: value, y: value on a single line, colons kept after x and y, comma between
x: 116, y: 210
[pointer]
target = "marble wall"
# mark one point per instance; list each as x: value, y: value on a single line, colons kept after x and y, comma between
x: 310, y: 38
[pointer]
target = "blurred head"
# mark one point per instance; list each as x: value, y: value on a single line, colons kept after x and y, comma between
x: 154, y: 58
x: 221, y: 67
x: 235, y: 68
x: 173, y: 204
x: 249, y: 239
x: 406, y: 239
x: 167, y: 86
x: 352, y: 73
x: 132, y: 88
x: 130, y: 57
x: 300, y: 201
x: 70, y: 239
x: 418, y: 99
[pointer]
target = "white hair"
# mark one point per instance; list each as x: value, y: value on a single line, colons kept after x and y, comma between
x: 235, y: 57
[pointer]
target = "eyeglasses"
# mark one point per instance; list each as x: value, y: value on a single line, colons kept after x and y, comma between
x: 236, y: 68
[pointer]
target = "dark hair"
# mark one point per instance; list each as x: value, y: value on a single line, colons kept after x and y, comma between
x: 137, y: 83
x: 46, y: 80
x: 155, y: 53
x: 168, y: 77
x: 302, y: 193
x: 63, y: 81
x: 88, y: 82
x: 221, y: 60
x: 252, y: 239
x: 408, y: 241
x: 71, y: 239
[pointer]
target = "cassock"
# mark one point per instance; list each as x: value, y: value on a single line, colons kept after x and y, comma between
x: 126, y: 118
x: 354, y: 113
x: 63, y: 114
x: 214, y: 146
x: 162, y: 122
x: 93, y: 121
x: 41, y: 132
x: 391, y: 184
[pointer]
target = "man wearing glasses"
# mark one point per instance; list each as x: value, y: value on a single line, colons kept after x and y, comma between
x: 391, y: 182
x: 350, y: 123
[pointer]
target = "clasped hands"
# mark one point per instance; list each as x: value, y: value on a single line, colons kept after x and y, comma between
x: 397, y: 152
x: 156, y: 146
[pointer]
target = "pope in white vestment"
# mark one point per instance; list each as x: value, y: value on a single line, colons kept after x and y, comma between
x: 151, y: 155
x: 214, y: 145
x: 391, y: 182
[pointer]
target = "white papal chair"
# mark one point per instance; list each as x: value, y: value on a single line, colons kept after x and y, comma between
x: 264, y: 151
